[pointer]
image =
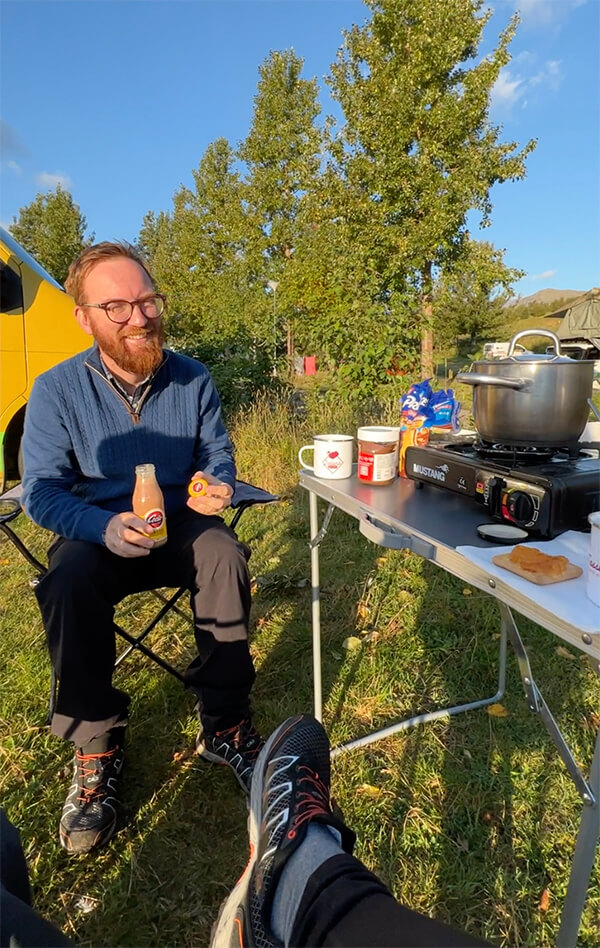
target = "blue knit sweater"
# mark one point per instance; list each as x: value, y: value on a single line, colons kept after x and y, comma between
x: 82, y: 442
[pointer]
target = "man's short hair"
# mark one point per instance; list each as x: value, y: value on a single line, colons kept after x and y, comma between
x: 85, y: 263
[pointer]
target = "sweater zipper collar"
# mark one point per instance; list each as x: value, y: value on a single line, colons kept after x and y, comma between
x: 134, y: 415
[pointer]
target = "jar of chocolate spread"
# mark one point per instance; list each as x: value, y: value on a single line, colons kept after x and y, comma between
x: 378, y: 454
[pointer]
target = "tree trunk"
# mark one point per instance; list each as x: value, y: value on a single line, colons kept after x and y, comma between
x: 427, y: 353
x: 426, y: 320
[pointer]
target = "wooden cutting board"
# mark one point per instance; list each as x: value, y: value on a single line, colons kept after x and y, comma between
x: 540, y: 579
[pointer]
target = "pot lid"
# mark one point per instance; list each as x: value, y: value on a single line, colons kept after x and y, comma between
x: 528, y: 356
x: 552, y: 355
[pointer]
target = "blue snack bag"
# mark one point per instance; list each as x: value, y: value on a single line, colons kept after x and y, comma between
x: 415, y: 402
x: 442, y: 411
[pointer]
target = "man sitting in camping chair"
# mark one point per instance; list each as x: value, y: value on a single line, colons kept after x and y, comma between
x: 90, y: 420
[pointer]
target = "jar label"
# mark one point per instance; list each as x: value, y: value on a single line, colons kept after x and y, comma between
x: 377, y: 467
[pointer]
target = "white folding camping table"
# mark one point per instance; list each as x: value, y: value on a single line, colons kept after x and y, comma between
x: 441, y: 527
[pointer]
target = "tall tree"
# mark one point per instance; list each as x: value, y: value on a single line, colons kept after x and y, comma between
x: 282, y: 154
x: 418, y: 151
x: 52, y: 229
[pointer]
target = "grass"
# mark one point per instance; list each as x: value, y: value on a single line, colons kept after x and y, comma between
x: 471, y: 819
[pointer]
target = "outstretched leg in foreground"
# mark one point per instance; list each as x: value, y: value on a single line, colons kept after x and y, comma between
x: 302, y: 886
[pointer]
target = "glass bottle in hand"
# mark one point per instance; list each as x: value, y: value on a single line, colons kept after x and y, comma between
x: 148, y: 503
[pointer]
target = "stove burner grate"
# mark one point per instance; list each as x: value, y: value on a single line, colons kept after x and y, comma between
x: 524, y: 454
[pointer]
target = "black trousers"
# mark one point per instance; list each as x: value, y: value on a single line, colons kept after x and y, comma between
x: 85, y: 581
x: 346, y: 905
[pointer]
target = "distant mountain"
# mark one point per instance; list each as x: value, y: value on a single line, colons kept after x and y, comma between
x: 544, y: 296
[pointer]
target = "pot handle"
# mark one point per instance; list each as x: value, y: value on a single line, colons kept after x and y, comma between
x: 474, y: 378
x: 535, y: 332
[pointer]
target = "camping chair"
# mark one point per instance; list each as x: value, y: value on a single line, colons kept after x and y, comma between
x: 244, y: 496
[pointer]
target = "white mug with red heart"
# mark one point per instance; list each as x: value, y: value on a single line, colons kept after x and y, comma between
x: 332, y: 456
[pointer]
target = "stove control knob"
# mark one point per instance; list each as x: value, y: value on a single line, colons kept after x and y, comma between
x: 521, y: 507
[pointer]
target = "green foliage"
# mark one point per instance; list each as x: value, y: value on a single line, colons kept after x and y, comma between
x: 52, y: 228
x: 240, y: 367
x: 281, y: 154
x: 417, y: 151
x: 470, y: 297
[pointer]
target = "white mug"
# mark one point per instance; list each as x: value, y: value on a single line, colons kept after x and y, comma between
x: 593, y: 573
x: 332, y: 457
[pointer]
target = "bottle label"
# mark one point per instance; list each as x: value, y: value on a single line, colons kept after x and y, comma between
x: 157, y: 523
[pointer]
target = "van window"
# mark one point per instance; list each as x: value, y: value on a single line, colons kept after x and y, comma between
x: 9, y: 241
x: 11, y: 289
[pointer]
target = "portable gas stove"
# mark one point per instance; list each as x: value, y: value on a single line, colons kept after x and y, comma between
x: 543, y: 490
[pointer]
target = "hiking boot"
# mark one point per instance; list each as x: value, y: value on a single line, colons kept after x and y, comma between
x: 237, y: 746
x: 89, y: 816
x: 290, y: 788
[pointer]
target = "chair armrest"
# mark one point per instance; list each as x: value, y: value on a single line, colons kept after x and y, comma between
x: 10, y: 504
x: 248, y: 495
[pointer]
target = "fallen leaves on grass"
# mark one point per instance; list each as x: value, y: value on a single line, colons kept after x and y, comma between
x: 371, y: 636
x: 86, y: 904
x: 182, y: 755
x: 369, y: 790
x: 497, y: 711
x: 591, y: 721
x: 351, y: 643
x: 565, y: 653
x: 545, y: 900
x: 467, y: 592
x: 362, y: 610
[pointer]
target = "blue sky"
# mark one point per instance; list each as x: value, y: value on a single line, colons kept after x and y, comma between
x: 118, y: 101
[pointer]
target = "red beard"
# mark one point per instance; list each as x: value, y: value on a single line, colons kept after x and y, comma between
x: 142, y: 360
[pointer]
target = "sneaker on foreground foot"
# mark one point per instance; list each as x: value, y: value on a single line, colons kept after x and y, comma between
x: 290, y: 788
x: 89, y: 816
x: 237, y: 746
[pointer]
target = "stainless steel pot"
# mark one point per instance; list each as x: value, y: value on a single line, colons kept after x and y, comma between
x: 531, y: 398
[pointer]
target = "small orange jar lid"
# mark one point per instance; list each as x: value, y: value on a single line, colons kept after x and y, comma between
x: 197, y: 487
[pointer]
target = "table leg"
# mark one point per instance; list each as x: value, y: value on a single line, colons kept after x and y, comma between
x: 316, y: 605
x: 440, y: 713
x: 583, y: 861
x: 536, y: 702
x: 589, y: 827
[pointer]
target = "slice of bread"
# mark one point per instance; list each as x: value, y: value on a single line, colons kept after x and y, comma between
x: 532, y: 560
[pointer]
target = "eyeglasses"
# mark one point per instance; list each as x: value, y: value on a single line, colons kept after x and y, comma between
x: 119, y: 311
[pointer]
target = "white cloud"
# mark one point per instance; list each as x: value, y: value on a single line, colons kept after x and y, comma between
x: 512, y: 86
x: 544, y: 275
x: 550, y: 75
x: 544, y: 13
x: 506, y: 89
x: 13, y: 166
x: 49, y: 180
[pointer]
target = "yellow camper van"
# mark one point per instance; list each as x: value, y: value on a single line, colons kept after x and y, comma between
x: 37, y: 330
